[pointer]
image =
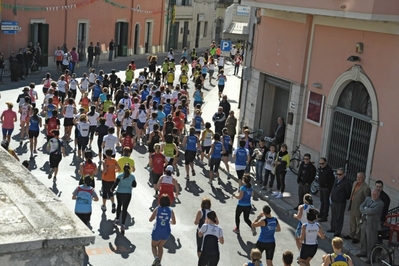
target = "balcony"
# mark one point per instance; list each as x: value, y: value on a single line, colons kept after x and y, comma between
x: 184, y: 12
x: 360, y: 9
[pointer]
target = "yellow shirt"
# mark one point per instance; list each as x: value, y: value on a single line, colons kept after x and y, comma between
x: 124, y: 160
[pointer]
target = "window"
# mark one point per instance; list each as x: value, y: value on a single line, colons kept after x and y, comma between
x: 205, y: 28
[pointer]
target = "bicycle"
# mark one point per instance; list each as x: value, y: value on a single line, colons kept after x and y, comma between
x: 296, y: 160
x: 383, y: 254
x: 35, y: 68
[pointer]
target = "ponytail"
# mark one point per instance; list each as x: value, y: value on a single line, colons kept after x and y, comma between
x: 126, y: 171
x: 92, y: 111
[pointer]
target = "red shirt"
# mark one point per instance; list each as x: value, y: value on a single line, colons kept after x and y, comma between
x: 127, y: 142
x: 52, y: 123
x: 158, y: 160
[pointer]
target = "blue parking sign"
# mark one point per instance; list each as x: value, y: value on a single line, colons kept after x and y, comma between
x: 225, y: 46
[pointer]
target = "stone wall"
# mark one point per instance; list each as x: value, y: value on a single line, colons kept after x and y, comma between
x: 36, y: 227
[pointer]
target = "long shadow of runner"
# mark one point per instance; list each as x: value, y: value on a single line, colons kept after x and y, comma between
x: 193, y: 188
x: 106, y: 227
x: 218, y: 194
x: 122, y: 246
x: 172, y: 244
x: 246, y: 247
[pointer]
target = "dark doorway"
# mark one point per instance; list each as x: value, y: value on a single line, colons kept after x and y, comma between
x: 121, y: 37
x: 218, y: 30
x: 39, y: 32
x: 82, y: 32
x: 280, y: 106
x: 185, y: 34
x: 136, y: 38
x: 197, y: 34
x: 148, y: 40
x: 174, y: 35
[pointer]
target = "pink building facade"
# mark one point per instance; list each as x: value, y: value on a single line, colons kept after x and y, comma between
x: 329, y: 68
x: 136, y: 26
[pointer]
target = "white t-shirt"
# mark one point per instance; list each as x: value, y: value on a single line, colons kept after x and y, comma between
x: 84, y: 84
x: 61, y: 85
x: 73, y: 84
x: 110, y: 142
x: 233, y: 51
x: 221, y: 61
x: 93, y: 119
x: 92, y: 77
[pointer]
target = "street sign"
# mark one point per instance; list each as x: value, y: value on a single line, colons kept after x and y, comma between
x: 9, y: 32
x: 225, y: 47
x: 9, y: 27
x: 14, y: 23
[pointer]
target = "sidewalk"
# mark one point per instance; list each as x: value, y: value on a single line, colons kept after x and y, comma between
x: 290, y: 199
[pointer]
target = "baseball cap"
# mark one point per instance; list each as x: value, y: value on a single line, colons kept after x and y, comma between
x: 169, y: 168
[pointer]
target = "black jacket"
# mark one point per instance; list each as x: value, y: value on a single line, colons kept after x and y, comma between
x: 90, y: 51
x: 279, y: 134
x: 326, y: 177
x: 385, y: 198
x: 226, y: 106
x: 341, y: 191
x: 306, y: 173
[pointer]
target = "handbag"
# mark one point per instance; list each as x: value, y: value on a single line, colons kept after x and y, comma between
x: 274, y: 170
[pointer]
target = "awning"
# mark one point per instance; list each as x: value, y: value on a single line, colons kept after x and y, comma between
x: 240, y: 28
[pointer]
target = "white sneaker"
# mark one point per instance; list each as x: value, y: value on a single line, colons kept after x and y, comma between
x: 279, y: 196
x: 275, y: 193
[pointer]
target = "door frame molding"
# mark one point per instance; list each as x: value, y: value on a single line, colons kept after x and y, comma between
x: 356, y: 73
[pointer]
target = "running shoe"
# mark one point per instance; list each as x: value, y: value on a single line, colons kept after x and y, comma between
x: 177, y: 172
x: 193, y: 172
x: 116, y: 222
x: 122, y: 229
x: 279, y: 196
x: 156, y: 262
x: 210, y: 182
x: 275, y: 193
x: 103, y: 208
x: 113, y: 208
x: 187, y: 178
x: 55, y: 179
x: 50, y: 175
x: 236, y: 230
x: 253, y: 231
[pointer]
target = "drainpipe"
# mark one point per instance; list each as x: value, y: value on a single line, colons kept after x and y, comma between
x: 131, y: 27
x: 66, y: 22
x: 248, y: 62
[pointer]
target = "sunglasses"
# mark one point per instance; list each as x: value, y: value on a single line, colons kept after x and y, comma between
x: 322, y: 163
x: 339, y: 174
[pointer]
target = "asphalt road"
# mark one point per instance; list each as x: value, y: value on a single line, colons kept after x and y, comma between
x: 113, y: 248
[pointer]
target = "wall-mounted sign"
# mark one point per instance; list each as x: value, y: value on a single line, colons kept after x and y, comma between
x: 243, y: 10
x: 314, y: 112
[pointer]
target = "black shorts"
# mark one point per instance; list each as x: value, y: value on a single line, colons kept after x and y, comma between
x: 68, y: 122
x: 106, y: 189
x: 221, y: 88
x: 240, y: 174
x: 170, y: 83
x: 45, y: 90
x: 205, y: 149
x: 58, y: 63
x: 112, y: 156
x: 189, y: 157
x: 308, y: 251
x: 55, y: 160
x: 155, y: 177
x: 33, y: 134
x: 82, y: 143
x: 118, y: 123
x: 199, y: 242
x: 203, y: 75
x: 226, y: 154
x: 214, y: 164
x: 92, y: 131
x: 268, y: 247
x: 94, y: 99
x: 140, y: 125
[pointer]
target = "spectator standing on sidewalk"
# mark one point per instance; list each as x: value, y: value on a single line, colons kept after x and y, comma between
x: 225, y: 104
x: 306, y: 175
x: 360, y: 191
x: 340, y: 193
x: 2, y: 65
x: 111, y: 48
x: 231, y: 125
x: 326, y: 182
x: 279, y: 133
x: 371, y: 210
x: 97, y: 53
x: 282, y: 164
x: 384, y: 197
x: 90, y: 55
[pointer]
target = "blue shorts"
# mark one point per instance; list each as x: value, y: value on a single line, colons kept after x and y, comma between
x: 7, y: 132
x: 298, y: 230
x: 140, y: 125
x: 158, y: 235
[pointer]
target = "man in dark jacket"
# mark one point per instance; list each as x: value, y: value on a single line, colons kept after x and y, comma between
x: 225, y: 104
x: 384, y: 197
x: 90, y: 55
x: 219, y: 119
x: 279, y: 134
x: 326, y: 182
x: 14, y: 67
x: 340, y: 193
x: 306, y: 175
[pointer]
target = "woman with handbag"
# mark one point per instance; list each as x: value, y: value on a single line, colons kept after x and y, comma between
x: 282, y: 164
x: 270, y: 167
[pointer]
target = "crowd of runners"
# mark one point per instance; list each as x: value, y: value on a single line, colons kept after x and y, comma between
x: 162, y: 112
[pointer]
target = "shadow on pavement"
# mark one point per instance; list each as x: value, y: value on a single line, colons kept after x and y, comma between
x: 193, y: 188
x: 106, y: 227
x: 172, y: 244
x: 246, y: 247
x: 123, y: 246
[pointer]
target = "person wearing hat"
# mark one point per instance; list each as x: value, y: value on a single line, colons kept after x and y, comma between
x: 167, y: 184
x: 8, y: 118
x: 84, y: 195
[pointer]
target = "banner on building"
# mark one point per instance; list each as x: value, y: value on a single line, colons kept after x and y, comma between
x: 243, y: 10
x: 315, y: 105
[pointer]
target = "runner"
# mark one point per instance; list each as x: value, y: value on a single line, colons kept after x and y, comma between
x: 206, y: 141
x: 221, y: 79
x: 110, y: 141
x: 156, y: 164
x: 268, y: 226
x: 244, y: 204
x: 127, y: 139
x: 110, y: 168
x: 141, y: 121
x: 33, y: 94
x: 35, y: 123
x: 191, y: 142
x: 84, y: 194
x: 46, y: 81
x: 167, y: 184
x: 83, y: 134
x: 93, y: 118
x: 171, y: 152
x: 24, y: 110
x: 242, y: 158
x: 226, y: 140
x: 68, y: 112
x: 88, y: 168
x: 212, y: 235
x: 164, y: 217
x: 126, y: 159
x: 124, y: 185
x: 215, y: 154
x: 55, y: 147
x: 51, y: 124
x: 301, y: 215
x: 255, y: 256
x: 101, y: 132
